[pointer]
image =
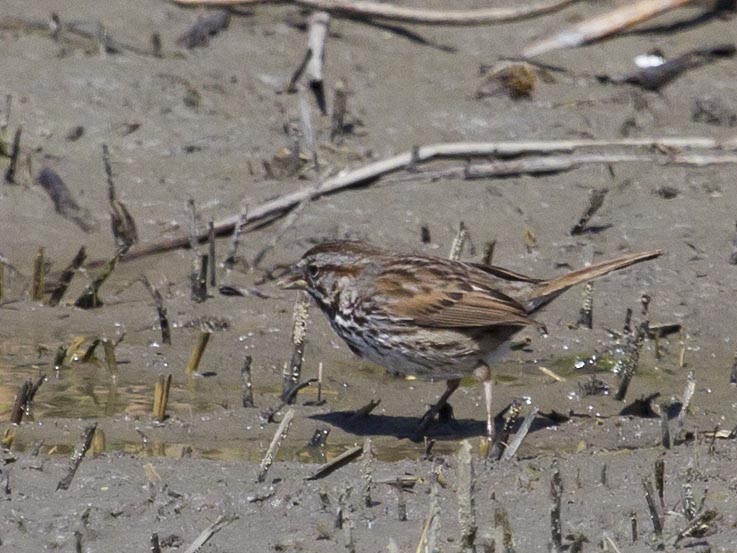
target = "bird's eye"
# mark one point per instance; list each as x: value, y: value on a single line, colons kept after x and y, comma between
x: 312, y: 271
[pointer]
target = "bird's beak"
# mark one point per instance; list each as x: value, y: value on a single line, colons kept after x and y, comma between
x: 292, y: 279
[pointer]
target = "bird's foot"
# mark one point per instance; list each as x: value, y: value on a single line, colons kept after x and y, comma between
x: 444, y: 413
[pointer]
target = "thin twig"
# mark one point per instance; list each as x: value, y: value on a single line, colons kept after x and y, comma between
x: 232, y: 256
x: 23, y: 399
x: 318, y: 26
x: 66, y: 277
x: 89, y: 298
x: 340, y: 461
x: 293, y: 370
x: 160, y: 310
x: 77, y: 456
x: 656, y: 512
x: 273, y: 209
x: 374, y: 10
x: 273, y: 449
x: 211, y: 252
x: 221, y: 522
x: 14, y: 153
x: 685, y: 404
x: 556, y: 495
x: 603, y: 25
x: 595, y: 201
x: 519, y: 437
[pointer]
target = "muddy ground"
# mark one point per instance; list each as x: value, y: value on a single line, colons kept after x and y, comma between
x: 200, y: 124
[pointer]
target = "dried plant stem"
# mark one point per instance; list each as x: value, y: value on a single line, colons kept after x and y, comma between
x: 340, y: 461
x: 660, y: 481
x: 160, y: 310
x: 519, y: 437
x: 273, y: 209
x: 608, y: 542
x: 318, y: 25
x: 688, y: 501
x: 109, y: 348
x: 456, y: 248
x: 556, y: 495
x: 122, y: 223
x: 211, y: 252
x: 596, y: 200
x: 366, y: 409
x: 603, y: 25
x: 585, y: 314
x: 292, y: 373
x: 375, y: 10
x: 231, y: 257
x: 465, y: 488
x: 247, y: 398
x: 4, y: 151
x: 685, y: 404
x: 221, y: 522
x: 631, y: 360
x: 76, y: 459
x: 700, y: 523
x: 66, y: 277
x: 489, y: 248
x: 511, y: 415
x: 270, y: 456
x: 367, y: 473
x: 98, y: 442
x: 340, y: 106
x: 24, y: 397
x: 682, y: 349
x: 39, y: 276
x: 319, y: 382
x: 14, y: 153
x: 427, y: 538
x: 194, y: 359
x: 656, y: 514
x: 666, y: 439
x: 89, y: 298
x: 161, y: 397
x: 199, y: 278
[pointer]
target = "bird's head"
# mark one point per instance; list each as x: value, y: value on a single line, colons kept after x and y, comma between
x: 327, y: 269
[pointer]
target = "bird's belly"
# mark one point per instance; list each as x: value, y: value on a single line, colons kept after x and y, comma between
x: 427, y: 353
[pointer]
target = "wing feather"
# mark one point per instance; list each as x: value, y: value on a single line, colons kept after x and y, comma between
x: 446, y: 295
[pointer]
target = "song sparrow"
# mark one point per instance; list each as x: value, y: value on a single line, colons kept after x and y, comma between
x: 427, y: 316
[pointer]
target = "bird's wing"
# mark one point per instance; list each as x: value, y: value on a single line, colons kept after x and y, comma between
x: 444, y: 295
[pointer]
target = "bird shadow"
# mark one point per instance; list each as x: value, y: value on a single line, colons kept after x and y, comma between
x: 402, y: 427
x: 399, y: 426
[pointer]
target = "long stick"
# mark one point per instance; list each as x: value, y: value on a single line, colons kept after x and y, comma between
x: 376, y: 10
x: 273, y: 449
x: 274, y: 208
x: 603, y: 25
x: 221, y: 522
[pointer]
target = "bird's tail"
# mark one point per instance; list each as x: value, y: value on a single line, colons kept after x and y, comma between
x: 548, y: 290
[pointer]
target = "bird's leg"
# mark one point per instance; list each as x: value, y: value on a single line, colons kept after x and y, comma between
x: 450, y: 387
x: 483, y: 372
